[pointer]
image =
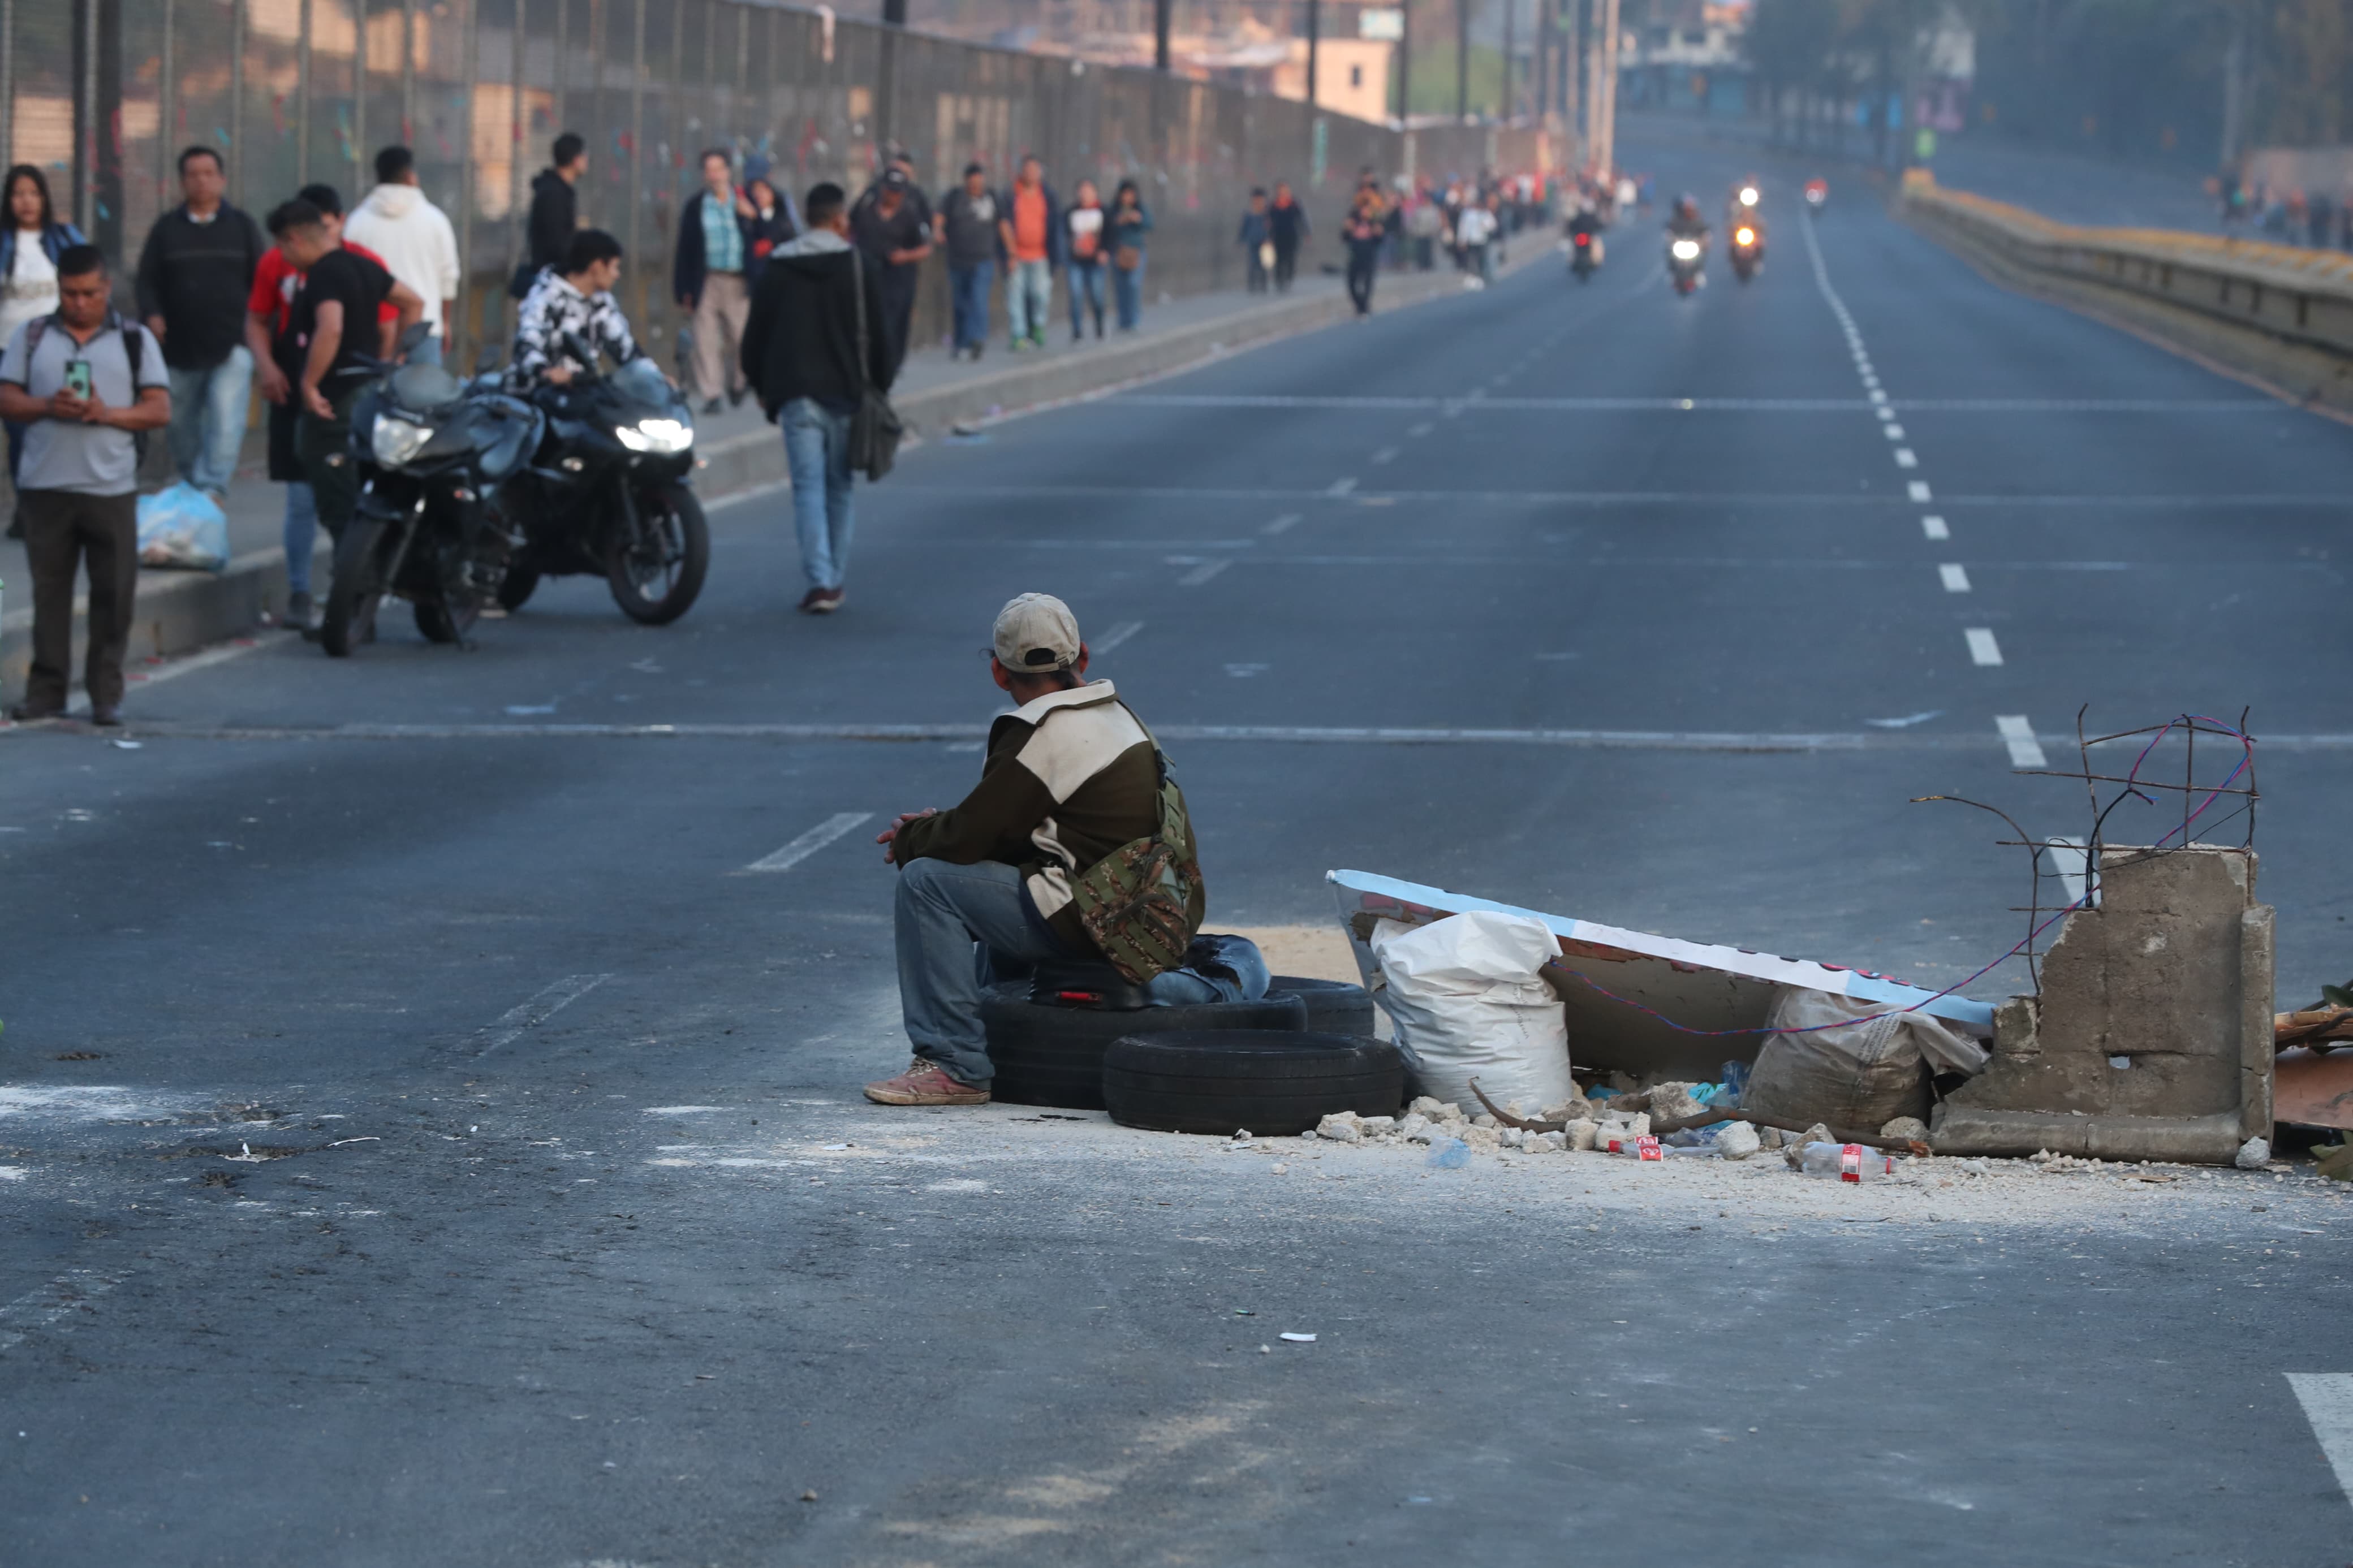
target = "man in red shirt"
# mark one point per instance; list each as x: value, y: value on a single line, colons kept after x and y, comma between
x: 1032, y: 232
x: 269, y: 313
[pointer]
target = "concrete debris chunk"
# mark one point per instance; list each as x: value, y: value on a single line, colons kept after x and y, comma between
x: 1415, y: 1128
x: 2253, y: 1154
x: 1484, y: 1119
x: 1555, y: 1141
x: 1482, y: 1140
x: 1793, y: 1145
x: 1341, y: 1127
x: 1580, y: 1134
x: 1672, y: 1102
x: 1436, y: 1109
x: 1910, y: 1127
x: 1737, y: 1141
x: 1768, y: 1137
x: 1510, y: 1137
x: 1376, y: 1126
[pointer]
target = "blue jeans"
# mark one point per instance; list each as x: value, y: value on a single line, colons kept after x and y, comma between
x: 969, y: 288
x: 1087, y: 291
x: 208, y: 410
x: 957, y: 928
x: 817, y: 450
x: 1128, y: 289
x: 301, y: 535
x: 1028, y: 293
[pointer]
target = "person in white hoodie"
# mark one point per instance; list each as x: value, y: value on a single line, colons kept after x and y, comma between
x: 419, y: 246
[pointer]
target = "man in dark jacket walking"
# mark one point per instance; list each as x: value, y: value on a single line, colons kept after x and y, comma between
x: 1286, y: 227
x: 195, y: 273
x: 801, y: 356
x: 556, y: 204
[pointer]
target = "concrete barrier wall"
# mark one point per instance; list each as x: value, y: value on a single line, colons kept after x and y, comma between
x: 2277, y: 312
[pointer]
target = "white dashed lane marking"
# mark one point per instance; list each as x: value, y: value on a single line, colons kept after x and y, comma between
x: 1956, y: 577
x: 809, y: 843
x: 1918, y: 490
x: 2327, y: 1401
x: 1204, y: 572
x: 1983, y: 649
x: 1934, y: 527
x: 1116, y: 636
x: 1281, y: 524
x: 2025, y: 751
x: 1342, y: 487
x: 1905, y: 459
x: 529, y: 1015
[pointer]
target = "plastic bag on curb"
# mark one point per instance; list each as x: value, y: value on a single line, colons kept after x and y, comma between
x: 1871, y: 1065
x: 1468, y: 1002
x: 182, y: 527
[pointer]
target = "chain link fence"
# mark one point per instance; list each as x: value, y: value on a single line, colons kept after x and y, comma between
x: 103, y: 94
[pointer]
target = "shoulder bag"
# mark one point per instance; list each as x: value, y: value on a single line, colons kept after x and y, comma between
x: 876, y: 428
x: 1136, y: 902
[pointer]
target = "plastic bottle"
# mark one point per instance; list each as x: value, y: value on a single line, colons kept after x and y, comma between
x: 1449, y: 1154
x: 1846, y: 1161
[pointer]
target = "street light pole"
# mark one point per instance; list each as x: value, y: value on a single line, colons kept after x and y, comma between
x: 1314, y: 21
x: 1160, y: 9
x: 1462, y: 59
x: 1405, y: 62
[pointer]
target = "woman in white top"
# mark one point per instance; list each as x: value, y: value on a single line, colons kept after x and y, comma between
x: 29, y: 247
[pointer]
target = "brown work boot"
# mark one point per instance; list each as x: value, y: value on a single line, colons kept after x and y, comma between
x: 924, y: 1083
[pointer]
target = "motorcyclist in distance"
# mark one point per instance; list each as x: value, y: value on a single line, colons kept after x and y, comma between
x: 1684, y: 221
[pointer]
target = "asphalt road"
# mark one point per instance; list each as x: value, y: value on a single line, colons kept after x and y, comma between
x: 586, y: 1251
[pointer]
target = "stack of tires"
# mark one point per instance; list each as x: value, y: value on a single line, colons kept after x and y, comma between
x: 1271, y: 1067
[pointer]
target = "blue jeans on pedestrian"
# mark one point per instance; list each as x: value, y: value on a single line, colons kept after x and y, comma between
x: 1128, y: 288
x: 960, y: 928
x: 301, y: 535
x: 1086, y: 294
x: 969, y: 288
x: 817, y: 451
x: 1028, y: 294
x: 208, y: 413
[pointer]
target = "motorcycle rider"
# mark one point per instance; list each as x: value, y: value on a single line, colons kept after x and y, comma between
x: 1683, y: 222
x: 575, y: 297
x: 1585, y: 224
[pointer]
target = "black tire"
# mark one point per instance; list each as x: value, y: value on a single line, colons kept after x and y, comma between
x: 1269, y: 1082
x: 351, y: 597
x: 1054, y: 1056
x: 658, y: 584
x: 1333, y: 1006
x: 439, y: 621
x: 517, y: 587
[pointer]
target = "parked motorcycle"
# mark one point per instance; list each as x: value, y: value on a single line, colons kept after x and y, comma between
x: 1685, y: 257
x: 432, y: 452
x: 607, y: 492
x: 1747, y: 250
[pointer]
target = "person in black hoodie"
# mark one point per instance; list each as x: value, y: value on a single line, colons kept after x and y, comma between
x: 800, y: 357
x: 554, y: 211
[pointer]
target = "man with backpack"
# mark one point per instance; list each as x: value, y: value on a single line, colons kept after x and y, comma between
x: 1074, y: 845
x: 86, y: 384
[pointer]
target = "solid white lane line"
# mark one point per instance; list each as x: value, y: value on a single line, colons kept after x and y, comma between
x: 1983, y: 649
x: 809, y: 843
x: 1955, y: 576
x: 2327, y: 1401
x: 1204, y: 572
x: 48, y: 1305
x: 537, y: 1011
x: 1116, y: 636
x: 1281, y: 524
x: 1387, y: 454
x: 1918, y: 490
x: 1934, y: 527
x: 1342, y: 487
x: 2025, y: 751
x: 1905, y: 459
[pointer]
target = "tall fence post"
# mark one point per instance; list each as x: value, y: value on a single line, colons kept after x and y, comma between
x: 166, y: 83
x: 239, y: 189
x: 302, y: 99
x: 470, y: 28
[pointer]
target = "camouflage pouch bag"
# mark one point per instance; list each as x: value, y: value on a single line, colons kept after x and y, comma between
x: 1137, y: 901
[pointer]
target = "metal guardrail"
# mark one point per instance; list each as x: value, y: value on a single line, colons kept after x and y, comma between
x: 2302, y: 297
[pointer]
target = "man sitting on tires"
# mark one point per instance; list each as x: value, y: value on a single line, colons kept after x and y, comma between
x: 1074, y: 844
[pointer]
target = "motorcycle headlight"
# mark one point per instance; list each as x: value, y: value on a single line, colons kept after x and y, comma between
x: 395, y: 440
x: 1686, y: 249
x: 660, y: 437
x: 1746, y: 235
x: 1748, y: 195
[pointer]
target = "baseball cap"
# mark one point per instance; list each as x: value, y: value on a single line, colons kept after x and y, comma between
x: 895, y: 177
x: 1036, y: 635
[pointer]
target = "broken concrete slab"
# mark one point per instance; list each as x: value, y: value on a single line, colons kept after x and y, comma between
x: 2152, y: 1037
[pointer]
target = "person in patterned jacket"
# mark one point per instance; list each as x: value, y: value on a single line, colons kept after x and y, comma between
x: 576, y: 298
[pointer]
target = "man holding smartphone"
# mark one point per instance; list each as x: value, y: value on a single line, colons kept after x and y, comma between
x: 85, y: 383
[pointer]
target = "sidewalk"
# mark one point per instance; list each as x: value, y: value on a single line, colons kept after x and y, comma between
x: 179, y: 610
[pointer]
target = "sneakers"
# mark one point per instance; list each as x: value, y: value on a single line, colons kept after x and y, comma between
x: 924, y: 1083
x: 821, y: 601
x: 300, y: 614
